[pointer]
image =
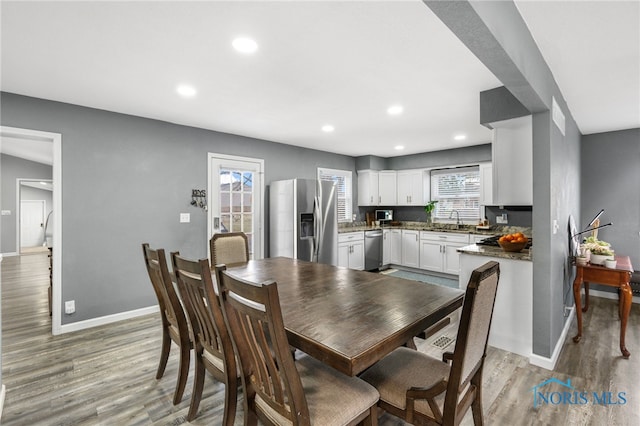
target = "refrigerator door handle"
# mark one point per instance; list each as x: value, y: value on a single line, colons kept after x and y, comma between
x: 317, y: 218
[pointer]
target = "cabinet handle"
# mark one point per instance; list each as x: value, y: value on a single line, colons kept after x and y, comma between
x: 372, y: 199
x: 379, y: 199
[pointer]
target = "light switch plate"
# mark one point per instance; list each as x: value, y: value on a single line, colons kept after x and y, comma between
x: 185, y: 217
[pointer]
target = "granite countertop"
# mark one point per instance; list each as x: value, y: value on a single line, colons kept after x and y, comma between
x: 422, y: 226
x: 491, y: 251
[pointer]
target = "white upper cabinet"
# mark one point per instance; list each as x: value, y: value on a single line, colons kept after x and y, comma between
x: 377, y: 188
x: 368, y: 188
x: 512, y: 155
x: 410, y: 188
x: 486, y: 184
x: 387, y: 185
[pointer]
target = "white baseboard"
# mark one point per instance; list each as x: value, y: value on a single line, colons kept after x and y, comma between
x: 108, y: 319
x: 608, y: 295
x: 12, y: 253
x: 3, y: 391
x: 550, y: 363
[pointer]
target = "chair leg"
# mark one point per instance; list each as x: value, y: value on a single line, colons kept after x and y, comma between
x: 230, y: 401
x: 164, y: 353
x: 198, y: 385
x: 372, y: 419
x: 183, y: 373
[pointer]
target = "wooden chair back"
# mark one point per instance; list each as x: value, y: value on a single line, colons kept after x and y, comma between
x: 203, y: 308
x: 174, y: 321
x: 229, y: 248
x: 213, y: 347
x: 471, y: 341
x: 168, y: 300
x: 271, y: 381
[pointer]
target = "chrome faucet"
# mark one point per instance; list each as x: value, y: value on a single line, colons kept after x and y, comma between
x: 458, y: 221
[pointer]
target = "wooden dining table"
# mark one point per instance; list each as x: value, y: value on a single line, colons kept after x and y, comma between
x: 345, y: 318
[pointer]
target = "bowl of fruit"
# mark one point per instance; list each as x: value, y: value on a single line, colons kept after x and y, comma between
x: 513, y: 242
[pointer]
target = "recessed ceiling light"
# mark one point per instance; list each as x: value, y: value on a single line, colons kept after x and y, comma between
x: 328, y: 128
x: 395, y: 110
x: 399, y: 147
x: 460, y: 137
x: 245, y: 45
x: 186, y: 91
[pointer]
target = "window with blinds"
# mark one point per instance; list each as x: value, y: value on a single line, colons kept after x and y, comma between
x: 342, y: 178
x: 456, y: 189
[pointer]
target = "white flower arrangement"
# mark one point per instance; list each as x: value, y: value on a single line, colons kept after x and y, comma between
x: 597, y: 247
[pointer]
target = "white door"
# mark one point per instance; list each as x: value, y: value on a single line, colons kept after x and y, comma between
x: 235, y: 198
x: 31, y: 223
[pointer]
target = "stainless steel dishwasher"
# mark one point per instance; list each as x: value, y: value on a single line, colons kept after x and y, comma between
x: 372, y: 249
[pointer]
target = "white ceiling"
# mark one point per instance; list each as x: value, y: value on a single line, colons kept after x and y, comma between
x: 341, y: 63
x: 593, y: 51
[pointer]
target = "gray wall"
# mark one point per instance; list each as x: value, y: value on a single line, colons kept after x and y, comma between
x: 11, y: 169
x: 611, y: 180
x: 125, y: 180
x: 496, y: 33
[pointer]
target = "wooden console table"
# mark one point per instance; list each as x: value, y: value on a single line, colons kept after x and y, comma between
x: 618, y: 277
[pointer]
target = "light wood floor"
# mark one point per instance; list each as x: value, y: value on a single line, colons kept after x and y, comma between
x: 106, y: 375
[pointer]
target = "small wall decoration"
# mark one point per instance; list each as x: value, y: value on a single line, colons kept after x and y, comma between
x: 199, y: 198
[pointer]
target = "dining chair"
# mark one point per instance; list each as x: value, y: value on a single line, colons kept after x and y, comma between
x: 277, y: 390
x: 229, y: 248
x: 213, y: 347
x: 174, y: 322
x: 424, y: 390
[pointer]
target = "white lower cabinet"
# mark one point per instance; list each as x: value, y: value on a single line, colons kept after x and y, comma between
x: 351, y: 250
x: 438, y: 251
x: 410, y: 248
x: 395, y: 246
x: 386, y: 247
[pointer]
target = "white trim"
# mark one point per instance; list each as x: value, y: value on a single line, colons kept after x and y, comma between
x: 260, y: 221
x: 56, y: 139
x: 11, y: 253
x: 609, y: 295
x: 107, y: 319
x: 550, y: 363
x: 3, y: 392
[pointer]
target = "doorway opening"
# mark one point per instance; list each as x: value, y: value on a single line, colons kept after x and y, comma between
x: 25, y: 141
x: 235, y: 199
x: 34, y: 213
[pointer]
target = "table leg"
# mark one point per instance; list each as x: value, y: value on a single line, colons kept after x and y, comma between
x: 577, y: 283
x: 626, y: 296
x: 586, y: 297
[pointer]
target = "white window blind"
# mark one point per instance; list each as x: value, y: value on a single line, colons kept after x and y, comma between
x: 456, y: 189
x: 342, y: 178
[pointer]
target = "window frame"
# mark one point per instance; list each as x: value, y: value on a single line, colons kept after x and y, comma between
x: 347, y: 175
x: 469, y: 213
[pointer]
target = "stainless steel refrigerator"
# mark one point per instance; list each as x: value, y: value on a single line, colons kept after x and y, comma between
x: 303, y: 220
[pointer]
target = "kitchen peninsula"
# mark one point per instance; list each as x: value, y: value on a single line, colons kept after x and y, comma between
x: 512, y: 324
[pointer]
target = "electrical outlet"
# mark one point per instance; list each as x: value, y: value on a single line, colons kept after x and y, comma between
x: 185, y: 217
x: 502, y: 219
x: 70, y: 307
